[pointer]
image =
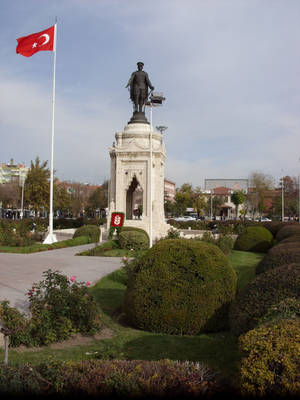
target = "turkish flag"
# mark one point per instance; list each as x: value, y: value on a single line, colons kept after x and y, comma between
x: 31, y: 44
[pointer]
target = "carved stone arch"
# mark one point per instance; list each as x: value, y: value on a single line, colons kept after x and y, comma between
x: 131, y: 196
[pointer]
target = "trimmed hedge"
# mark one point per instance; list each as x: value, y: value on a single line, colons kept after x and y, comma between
x: 288, y: 308
x: 279, y: 255
x: 271, y: 360
x: 287, y: 231
x: 267, y: 290
x: 133, y: 229
x: 273, y: 226
x: 291, y: 239
x: 111, y: 379
x: 92, y: 231
x: 255, y: 238
x: 180, y: 286
x: 133, y: 240
x: 224, y: 227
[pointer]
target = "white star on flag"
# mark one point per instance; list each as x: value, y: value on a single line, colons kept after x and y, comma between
x: 34, y: 45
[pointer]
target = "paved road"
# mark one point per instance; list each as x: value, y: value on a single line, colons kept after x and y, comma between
x: 19, y: 271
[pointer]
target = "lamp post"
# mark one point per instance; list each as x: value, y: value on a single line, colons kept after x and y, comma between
x: 156, y: 99
x: 22, y: 197
x: 282, y: 198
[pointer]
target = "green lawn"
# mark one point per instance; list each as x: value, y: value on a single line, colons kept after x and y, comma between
x: 37, y: 247
x: 218, y: 351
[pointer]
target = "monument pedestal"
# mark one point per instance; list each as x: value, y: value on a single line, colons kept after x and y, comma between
x: 129, y: 190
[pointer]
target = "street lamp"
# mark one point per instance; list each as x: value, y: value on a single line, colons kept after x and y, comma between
x: 156, y: 99
x: 282, y: 198
x: 161, y: 128
x: 211, y: 204
x: 22, y: 198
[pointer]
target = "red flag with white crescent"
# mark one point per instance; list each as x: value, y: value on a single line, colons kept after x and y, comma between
x: 31, y: 44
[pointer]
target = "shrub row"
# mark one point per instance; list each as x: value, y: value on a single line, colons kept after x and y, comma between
x: 180, y: 286
x: 286, y: 251
x: 266, y: 291
x: 283, y: 253
x: 287, y: 231
x: 111, y: 379
x: 224, y: 227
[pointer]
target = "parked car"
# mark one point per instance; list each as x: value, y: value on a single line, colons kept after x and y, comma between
x: 185, y: 218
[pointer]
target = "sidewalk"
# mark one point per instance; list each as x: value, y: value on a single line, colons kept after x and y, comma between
x: 19, y: 271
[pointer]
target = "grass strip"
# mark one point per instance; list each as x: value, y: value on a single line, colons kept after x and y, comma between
x: 44, y: 247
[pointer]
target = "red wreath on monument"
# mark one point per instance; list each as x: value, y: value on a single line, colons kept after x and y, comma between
x: 117, y: 219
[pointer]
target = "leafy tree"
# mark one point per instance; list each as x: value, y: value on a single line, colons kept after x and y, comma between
x: 169, y: 207
x: 199, y: 201
x: 260, y: 184
x: 183, y: 199
x: 61, y: 198
x: 238, y: 197
x: 217, y: 202
x: 98, y: 199
x: 10, y: 194
x: 37, y: 187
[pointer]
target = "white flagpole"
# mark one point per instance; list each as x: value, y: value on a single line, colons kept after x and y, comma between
x: 150, y: 183
x: 51, y: 238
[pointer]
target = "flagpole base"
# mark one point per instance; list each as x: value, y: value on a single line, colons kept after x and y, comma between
x: 50, y: 238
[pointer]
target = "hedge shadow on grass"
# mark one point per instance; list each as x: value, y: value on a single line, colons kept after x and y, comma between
x: 219, y: 351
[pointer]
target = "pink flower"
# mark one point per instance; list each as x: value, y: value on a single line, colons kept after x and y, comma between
x: 86, y: 295
x: 72, y: 279
x: 88, y: 283
x: 124, y: 258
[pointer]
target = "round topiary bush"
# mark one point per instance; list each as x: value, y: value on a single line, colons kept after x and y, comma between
x: 180, y: 286
x: 92, y: 231
x: 291, y: 239
x: 271, y: 360
x: 279, y: 255
x: 288, y: 308
x: 255, y: 238
x: 133, y: 240
x: 273, y: 226
x: 265, y: 291
x: 287, y: 231
x: 133, y: 229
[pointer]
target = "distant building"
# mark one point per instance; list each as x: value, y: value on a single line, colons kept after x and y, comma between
x: 169, y: 190
x: 224, y: 188
x: 233, y: 184
x: 13, y: 172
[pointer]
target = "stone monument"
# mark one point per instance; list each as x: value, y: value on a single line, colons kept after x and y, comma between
x: 129, y: 189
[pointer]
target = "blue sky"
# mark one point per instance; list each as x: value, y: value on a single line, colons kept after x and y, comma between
x: 229, y: 69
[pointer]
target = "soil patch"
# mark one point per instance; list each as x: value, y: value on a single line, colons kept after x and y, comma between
x: 75, y: 340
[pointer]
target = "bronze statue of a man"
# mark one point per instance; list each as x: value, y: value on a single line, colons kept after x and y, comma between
x: 139, y: 83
